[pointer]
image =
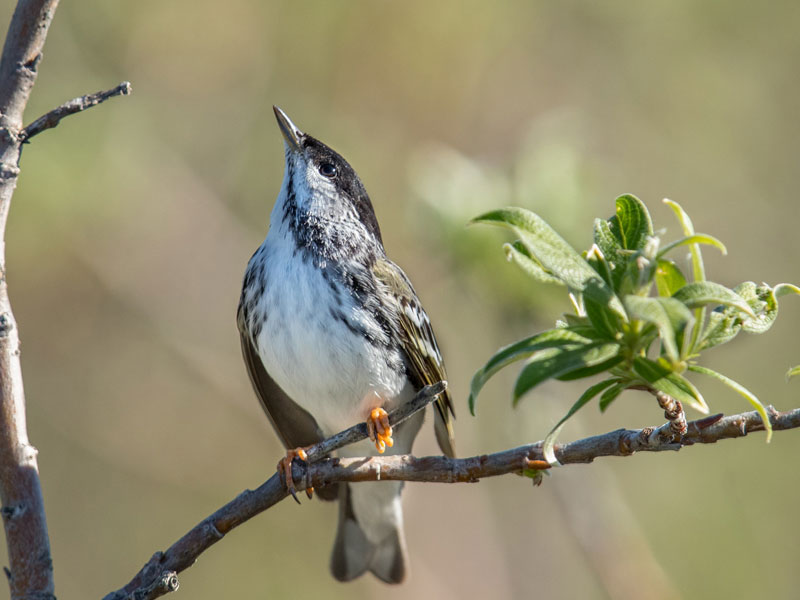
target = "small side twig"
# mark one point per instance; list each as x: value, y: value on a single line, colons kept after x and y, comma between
x: 76, y: 105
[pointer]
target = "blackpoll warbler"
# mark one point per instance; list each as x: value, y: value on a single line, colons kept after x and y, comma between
x: 332, y: 334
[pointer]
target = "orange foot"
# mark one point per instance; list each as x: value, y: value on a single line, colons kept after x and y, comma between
x: 379, y: 429
x: 285, y: 470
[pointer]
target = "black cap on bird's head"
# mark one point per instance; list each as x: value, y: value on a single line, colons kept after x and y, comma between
x: 327, y: 173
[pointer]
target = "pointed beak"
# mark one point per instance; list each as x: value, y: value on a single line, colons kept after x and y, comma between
x: 290, y: 132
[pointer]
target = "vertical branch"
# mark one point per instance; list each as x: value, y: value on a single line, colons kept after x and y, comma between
x: 31, y: 570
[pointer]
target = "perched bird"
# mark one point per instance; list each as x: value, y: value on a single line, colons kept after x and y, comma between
x: 333, y: 334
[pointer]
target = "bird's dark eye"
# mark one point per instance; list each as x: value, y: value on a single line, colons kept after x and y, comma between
x: 327, y: 170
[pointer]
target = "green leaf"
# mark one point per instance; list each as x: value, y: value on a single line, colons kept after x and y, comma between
x: 702, y: 293
x: 631, y: 224
x: 698, y: 270
x: 598, y: 262
x: 761, y: 299
x: 661, y: 378
x: 698, y: 238
x: 722, y: 327
x: 669, y: 315
x: 688, y: 230
x: 669, y: 278
x: 558, y: 361
x: 611, y: 394
x: 612, y: 250
x: 785, y: 288
x: 589, y: 371
x: 740, y: 389
x: 521, y: 350
x: 605, y: 240
x: 724, y: 323
x: 603, y: 319
x: 550, y: 440
x: 794, y: 371
x: 554, y: 254
x: 518, y: 253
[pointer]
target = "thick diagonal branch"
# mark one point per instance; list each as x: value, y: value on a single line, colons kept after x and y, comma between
x: 622, y: 442
x: 183, y: 553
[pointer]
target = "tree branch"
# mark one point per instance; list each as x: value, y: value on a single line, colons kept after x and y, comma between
x: 622, y: 442
x: 76, y: 105
x: 183, y: 553
x: 31, y: 569
x: 30, y: 575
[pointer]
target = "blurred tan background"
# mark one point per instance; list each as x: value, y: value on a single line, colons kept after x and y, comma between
x: 132, y: 225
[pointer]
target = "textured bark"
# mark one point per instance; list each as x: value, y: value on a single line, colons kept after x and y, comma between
x: 30, y: 574
x: 528, y: 459
x: 31, y: 569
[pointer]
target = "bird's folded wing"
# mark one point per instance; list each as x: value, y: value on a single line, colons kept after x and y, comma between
x: 419, y: 344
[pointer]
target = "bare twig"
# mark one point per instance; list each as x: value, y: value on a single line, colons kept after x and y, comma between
x: 31, y: 570
x: 622, y: 442
x: 76, y: 105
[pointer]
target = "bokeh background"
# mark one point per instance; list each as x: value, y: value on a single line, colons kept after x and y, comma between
x: 132, y: 225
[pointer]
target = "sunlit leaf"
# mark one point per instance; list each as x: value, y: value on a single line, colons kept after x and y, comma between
x: 740, y: 389
x: 703, y: 293
x: 631, y: 224
x: 554, y: 254
x: 688, y: 230
x: 598, y: 262
x: 521, y: 350
x: 605, y: 240
x: 669, y: 278
x: 557, y: 361
x: 518, y: 253
x: 698, y: 238
x: 664, y: 380
x: 698, y: 270
x: 723, y: 325
x: 761, y: 299
x: 783, y: 289
x: 793, y: 372
x: 550, y: 440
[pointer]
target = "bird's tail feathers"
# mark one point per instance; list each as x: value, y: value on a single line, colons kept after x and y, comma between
x: 354, y: 554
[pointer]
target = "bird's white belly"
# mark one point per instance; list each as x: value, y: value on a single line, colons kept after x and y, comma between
x: 333, y: 373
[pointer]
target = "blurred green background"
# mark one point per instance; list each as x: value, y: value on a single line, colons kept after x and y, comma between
x: 132, y: 225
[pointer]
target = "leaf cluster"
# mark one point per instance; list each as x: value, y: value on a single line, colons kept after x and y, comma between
x: 636, y: 318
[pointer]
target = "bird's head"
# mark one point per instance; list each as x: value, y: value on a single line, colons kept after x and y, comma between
x: 321, y: 187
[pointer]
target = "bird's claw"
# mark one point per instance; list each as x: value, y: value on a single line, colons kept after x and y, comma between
x: 379, y: 429
x: 285, y: 471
